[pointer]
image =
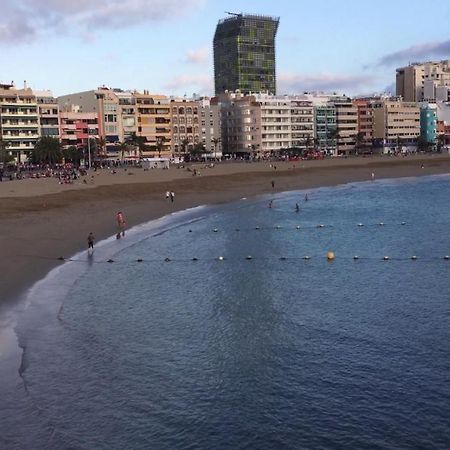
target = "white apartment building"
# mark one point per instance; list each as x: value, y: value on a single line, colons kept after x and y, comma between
x: 210, y: 126
x: 48, y: 112
x: 286, y: 122
x: 19, y: 124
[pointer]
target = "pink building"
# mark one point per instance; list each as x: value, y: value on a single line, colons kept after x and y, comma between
x: 76, y: 127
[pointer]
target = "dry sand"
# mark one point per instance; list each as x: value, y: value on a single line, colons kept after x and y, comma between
x: 42, y: 220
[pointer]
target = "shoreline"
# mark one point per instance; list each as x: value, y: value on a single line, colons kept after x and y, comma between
x: 55, y: 220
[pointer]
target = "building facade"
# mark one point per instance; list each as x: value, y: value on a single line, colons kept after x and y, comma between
x: 185, y: 120
x: 286, y: 122
x: 79, y: 129
x: 48, y: 113
x: 325, y: 127
x: 428, y: 123
x: 346, y: 126
x: 429, y: 81
x: 244, y: 54
x: 19, y: 123
x: 154, y: 123
x: 211, y: 126
x: 365, y: 122
x: 396, y: 122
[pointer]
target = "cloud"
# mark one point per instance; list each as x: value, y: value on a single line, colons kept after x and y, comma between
x: 199, y: 56
x: 23, y: 20
x: 202, y: 84
x: 294, y: 83
x: 416, y: 53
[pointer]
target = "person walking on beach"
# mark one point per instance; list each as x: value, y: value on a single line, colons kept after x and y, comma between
x: 373, y: 176
x: 167, y: 195
x: 297, y: 208
x: 273, y: 184
x: 306, y: 197
x: 172, y: 196
x: 90, y: 240
x: 120, y: 225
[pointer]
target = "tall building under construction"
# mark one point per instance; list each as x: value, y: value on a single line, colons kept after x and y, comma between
x: 244, y: 54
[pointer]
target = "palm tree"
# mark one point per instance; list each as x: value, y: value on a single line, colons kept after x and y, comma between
x: 47, y: 150
x: 160, y: 145
x: 184, y: 145
x: 308, y: 143
x: 440, y: 142
x: 138, y: 141
x: 72, y: 154
x: 4, y: 154
x: 399, y: 143
x: 360, y: 140
x: 215, y: 141
x: 123, y: 147
x: 101, y: 145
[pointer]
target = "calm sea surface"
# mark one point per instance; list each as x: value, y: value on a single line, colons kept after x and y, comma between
x: 272, y: 352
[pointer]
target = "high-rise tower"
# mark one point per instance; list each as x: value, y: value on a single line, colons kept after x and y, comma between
x: 244, y: 54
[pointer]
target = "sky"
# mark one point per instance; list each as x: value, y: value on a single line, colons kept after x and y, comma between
x: 165, y: 46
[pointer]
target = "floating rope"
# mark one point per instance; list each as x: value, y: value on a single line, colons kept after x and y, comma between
x: 304, y: 227
x: 329, y: 256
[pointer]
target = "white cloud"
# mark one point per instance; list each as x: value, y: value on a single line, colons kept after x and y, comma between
x: 202, y: 84
x: 22, y: 20
x: 199, y: 56
x: 289, y: 83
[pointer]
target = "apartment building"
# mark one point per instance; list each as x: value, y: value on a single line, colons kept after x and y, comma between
x: 126, y: 115
x: 241, y: 124
x: 395, y: 120
x: 115, y: 108
x: 185, y: 130
x: 48, y: 114
x: 325, y: 127
x: 210, y: 126
x: 346, y: 126
x: 76, y: 127
x: 286, y: 122
x: 429, y: 81
x: 428, y: 122
x: 19, y: 124
x: 364, y: 119
x: 154, y: 123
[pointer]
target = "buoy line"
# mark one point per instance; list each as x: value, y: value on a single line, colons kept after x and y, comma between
x: 301, y: 227
x: 329, y: 256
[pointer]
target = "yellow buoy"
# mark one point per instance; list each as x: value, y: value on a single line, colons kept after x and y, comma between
x: 330, y: 256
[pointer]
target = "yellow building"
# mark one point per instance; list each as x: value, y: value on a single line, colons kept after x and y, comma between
x: 154, y: 123
x: 396, y: 121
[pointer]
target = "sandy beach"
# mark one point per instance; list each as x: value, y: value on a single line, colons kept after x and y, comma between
x: 42, y: 220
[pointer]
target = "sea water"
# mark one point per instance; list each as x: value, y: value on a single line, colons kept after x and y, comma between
x: 226, y: 327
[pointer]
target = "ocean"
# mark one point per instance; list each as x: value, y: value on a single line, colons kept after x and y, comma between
x: 226, y: 327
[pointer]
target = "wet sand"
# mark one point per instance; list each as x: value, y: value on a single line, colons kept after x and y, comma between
x: 42, y: 220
